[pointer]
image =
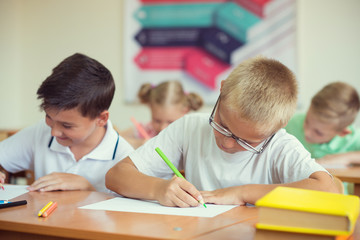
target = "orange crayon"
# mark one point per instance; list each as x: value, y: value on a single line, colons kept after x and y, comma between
x: 49, y: 210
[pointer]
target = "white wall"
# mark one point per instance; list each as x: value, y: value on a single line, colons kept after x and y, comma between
x: 329, y: 44
x: 36, y: 35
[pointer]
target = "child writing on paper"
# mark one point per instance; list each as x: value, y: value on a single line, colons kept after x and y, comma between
x: 167, y: 102
x: 326, y: 130
x: 76, y: 144
x: 235, y: 155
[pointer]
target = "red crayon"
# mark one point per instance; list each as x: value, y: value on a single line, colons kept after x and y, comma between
x: 141, y: 130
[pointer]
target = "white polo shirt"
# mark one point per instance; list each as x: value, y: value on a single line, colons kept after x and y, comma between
x: 190, y: 144
x: 35, y: 149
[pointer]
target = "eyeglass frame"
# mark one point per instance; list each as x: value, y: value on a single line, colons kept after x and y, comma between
x: 216, y: 126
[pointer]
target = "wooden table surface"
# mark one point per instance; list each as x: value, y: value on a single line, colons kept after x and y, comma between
x: 70, y: 222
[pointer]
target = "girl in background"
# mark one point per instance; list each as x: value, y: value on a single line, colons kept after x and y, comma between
x: 167, y: 102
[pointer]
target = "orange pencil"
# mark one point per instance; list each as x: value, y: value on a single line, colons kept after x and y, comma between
x: 49, y: 210
x: 140, y: 128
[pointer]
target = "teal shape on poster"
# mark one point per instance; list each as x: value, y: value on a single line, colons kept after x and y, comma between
x: 236, y: 21
x: 177, y: 15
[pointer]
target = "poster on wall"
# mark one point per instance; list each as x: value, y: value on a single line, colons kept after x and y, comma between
x: 199, y: 42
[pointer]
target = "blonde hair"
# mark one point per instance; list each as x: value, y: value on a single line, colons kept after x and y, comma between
x: 263, y: 91
x: 169, y: 93
x: 337, y: 102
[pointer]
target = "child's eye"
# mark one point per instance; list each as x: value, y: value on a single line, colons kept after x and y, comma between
x: 319, y: 133
x: 66, y: 126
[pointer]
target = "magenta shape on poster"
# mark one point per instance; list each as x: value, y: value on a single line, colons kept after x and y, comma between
x: 162, y: 58
x: 204, y: 67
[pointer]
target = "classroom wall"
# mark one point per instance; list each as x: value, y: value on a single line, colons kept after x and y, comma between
x: 36, y: 35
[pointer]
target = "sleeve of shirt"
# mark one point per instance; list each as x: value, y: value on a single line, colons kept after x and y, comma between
x: 294, y: 163
x: 17, y: 151
x: 355, y: 144
x: 170, y: 141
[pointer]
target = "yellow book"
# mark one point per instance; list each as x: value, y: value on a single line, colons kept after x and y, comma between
x: 308, y: 211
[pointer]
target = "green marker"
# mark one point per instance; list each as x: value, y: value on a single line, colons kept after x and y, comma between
x: 173, y: 168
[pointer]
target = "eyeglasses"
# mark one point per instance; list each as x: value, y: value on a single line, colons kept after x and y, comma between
x: 240, y: 141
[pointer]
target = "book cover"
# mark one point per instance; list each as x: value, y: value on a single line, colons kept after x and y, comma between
x: 308, y: 211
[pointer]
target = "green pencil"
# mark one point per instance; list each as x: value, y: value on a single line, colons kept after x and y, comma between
x: 173, y: 168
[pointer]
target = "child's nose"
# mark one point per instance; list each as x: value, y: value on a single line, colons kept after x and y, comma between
x: 307, y: 133
x: 55, y: 132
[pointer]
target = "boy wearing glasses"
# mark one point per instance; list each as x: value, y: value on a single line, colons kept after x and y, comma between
x: 236, y: 156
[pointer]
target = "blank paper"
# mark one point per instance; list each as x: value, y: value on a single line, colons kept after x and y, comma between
x: 141, y: 206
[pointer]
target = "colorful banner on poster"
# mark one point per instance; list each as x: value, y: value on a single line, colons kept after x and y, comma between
x: 198, y: 42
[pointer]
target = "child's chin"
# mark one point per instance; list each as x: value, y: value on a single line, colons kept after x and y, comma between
x: 64, y: 142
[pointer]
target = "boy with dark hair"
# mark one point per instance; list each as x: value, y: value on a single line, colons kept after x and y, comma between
x: 76, y: 144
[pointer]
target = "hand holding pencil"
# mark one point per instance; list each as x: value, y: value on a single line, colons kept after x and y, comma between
x: 180, y: 192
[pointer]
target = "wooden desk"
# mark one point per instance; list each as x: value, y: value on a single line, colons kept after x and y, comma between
x: 239, y: 231
x: 351, y: 175
x: 70, y: 222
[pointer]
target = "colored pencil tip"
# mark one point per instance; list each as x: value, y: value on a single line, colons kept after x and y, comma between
x: 202, y: 202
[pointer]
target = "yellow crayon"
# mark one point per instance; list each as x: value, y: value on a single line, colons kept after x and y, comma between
x: 44, y: 208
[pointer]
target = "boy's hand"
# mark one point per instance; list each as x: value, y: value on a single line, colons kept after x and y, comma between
x: 177, y: 192
x: 230, y: 195
x: 61, y: 181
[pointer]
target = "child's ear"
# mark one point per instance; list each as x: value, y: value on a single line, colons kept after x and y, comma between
x: 222, y: 83
x: 102, y: 118
x: 344, y: 132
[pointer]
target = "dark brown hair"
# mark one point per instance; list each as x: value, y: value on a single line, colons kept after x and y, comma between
x: 78, y: 82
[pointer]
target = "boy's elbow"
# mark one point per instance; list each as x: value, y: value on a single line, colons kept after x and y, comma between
x: 327, y: 183
x: 333, y: 185
x: 334, y: 189
x: 109, y: 179
x: 116, y: 177
x: 113, y: 179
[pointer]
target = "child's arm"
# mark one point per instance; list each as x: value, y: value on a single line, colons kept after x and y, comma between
x: 252, y: 192
x: 341, y: 158
x: 125, y: 179
x: 61, y: 181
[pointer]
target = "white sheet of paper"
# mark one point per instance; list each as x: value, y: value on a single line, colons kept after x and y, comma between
x: 11, y: 191
x: 139, y: 206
